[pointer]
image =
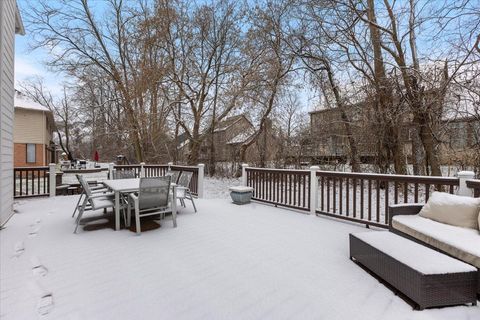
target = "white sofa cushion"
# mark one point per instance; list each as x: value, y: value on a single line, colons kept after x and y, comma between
x: 452, y: 209
x: 461, y: 243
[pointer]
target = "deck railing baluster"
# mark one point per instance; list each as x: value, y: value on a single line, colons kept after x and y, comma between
x: 354, y: 183
x: 347, y: 190
x: 385, y: 216
x: 361, y: 200
x: 340, y: 202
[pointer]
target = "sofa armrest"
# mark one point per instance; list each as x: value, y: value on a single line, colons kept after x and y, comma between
x: 403, y: 209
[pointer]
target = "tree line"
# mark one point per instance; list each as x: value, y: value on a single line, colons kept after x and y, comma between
x: 144, y: 74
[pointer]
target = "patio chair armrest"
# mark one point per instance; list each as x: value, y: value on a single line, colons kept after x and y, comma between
x: 133, y: 196
x: 403, y: 209
x: 101, y: 195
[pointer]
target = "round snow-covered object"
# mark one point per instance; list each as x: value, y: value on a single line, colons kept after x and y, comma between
x: 241, y: 194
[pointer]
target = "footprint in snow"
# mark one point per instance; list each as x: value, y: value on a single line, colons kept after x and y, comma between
x: 35, y: 228
x: 18, y: 249
x: 45, y: 304
x: 38, y: 268
x: 34, y: 231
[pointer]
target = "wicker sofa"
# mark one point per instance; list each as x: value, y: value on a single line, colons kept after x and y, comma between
x: 460, y: 243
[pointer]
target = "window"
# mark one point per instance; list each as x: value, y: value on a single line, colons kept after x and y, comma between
x: 31, y: 153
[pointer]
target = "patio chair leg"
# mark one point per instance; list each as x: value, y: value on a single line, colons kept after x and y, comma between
x: 193, y: 203
x: 129, y: 214
x: 137, y: 219
x: 80, y: 214
x: 78, y: 204
x: 82, y: 209
x: 124, y: 217
x: 174, y: 218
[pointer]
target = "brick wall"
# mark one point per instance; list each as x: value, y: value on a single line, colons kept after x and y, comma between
x: 20, y: 155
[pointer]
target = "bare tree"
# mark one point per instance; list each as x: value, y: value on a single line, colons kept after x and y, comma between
x: 266, y: 41
x: 206, y: 68
x: 65, y: 114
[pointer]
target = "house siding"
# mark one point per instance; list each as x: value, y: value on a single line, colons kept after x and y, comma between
x: 20, y: 155
x: 7, y: 43
x: 30, y: 127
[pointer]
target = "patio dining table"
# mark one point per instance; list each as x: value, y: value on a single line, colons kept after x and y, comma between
x: 119, y: 186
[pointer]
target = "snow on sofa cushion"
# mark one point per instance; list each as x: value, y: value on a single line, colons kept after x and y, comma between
x: 452, y: 209
x: 461, y: 243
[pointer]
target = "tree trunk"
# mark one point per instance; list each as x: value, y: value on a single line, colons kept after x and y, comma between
x: 354, y: 158
x: 418, y: 153
x: 389, y: 145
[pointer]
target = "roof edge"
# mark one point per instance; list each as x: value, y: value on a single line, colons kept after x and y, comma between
x: 19, y: 27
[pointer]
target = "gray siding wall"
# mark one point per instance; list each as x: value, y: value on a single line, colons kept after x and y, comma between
x: 7, y: 42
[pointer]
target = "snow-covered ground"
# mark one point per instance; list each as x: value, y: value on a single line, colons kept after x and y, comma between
x: 217, y: 188
x: 224, y: 262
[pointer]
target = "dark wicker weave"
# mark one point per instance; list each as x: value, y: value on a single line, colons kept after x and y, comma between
x: 412, y: 210
x: 425, y: 290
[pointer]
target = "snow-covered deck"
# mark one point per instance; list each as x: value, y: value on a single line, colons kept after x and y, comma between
x: 225, y: 262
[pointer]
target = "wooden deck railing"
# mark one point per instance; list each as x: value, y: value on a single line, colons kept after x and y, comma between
x: 365, y: 198
x: 155, y: 170
x: 129, y: 167
x: 31, y: 182
x: 159, y: 170
x: 288, y: 188
x: 42, y: 181
x: 358, y: 197
x: 475, y: 185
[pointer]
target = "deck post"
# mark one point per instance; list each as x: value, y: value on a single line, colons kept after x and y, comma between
x: 463, y: 176
x: 142, y: 170
x: 110, y: 170
x: 170, y: 164
x: 201, y: 175
x: 244, y: 174
x: 52, y: 179
x: 313, y: 189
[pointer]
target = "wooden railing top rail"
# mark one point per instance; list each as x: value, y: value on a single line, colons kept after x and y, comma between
x: 391, y: 177
x: 156, y: 165
x: 184, y: 168
x: 277, y: 170
x: 31, y: 168
x: 474, y: 184
x: 127, y: 166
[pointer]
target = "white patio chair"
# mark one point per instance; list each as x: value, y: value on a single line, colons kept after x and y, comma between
x: 183, y: 189
x: 174, y: 174
x: 153, y: 199
x: 95, y: 201
x: 94, y: 190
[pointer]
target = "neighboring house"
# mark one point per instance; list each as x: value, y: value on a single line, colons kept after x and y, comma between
x: 461, y: 141
x: 328, y: 142
x: 329, y: 139
x: 33, y: 133
x: 10, y: 24
x: 228, y: 137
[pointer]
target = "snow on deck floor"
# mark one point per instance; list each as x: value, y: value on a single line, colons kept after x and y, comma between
x: 225, y: 262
